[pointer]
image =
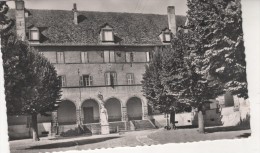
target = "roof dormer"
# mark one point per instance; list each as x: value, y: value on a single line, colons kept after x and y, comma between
x: 107, y: 34
x: 166, y: 35
x: 34, y: 34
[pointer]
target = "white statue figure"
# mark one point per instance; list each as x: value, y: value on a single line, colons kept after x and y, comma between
x: 103, y: 114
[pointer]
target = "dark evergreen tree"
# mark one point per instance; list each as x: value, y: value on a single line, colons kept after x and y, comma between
x: 5, y: 22
x: 220, y: 53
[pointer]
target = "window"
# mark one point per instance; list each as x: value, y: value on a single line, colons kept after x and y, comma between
x: 148, y: 57
x: 109, y: 56
x: 129, y: 57
x: 62, y: 80
x: 34, y: 35
x: 108, y: 35
x: 60, y: 57
x: 167, y: 37
x: 112, y: 56
x: 86, y: 80
x: 110, y: 78
x: 84, y: 57
x: 130, y: 78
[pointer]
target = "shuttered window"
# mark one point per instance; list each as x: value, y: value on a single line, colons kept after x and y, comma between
x: 130, y: 78
x: 86, y: 80
x: 129, y: 57
x: 62, y: 80
x: 84, y: 57
x: 60, y: 57
x: 110, y: 78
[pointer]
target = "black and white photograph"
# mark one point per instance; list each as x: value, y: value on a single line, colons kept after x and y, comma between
x: 101, y: 74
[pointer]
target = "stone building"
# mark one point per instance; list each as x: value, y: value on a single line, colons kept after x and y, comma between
x: 97, y: 52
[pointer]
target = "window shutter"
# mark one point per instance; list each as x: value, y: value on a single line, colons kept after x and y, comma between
x: 107, y: 78
x: 112, y: 56
x: 106, y: 56
x: 83, y: 57
x: 63, y: 81
x: 128, y: 57
x: 81, y: 81
x: 131, y: 57
x: 147, y: 56
x: 90, y: 80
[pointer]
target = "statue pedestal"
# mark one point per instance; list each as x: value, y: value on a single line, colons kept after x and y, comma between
x: 105, y: 129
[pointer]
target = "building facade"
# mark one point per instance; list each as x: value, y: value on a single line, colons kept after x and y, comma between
x: 97, y: 53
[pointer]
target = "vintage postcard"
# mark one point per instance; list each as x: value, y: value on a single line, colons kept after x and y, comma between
x: 91, y: 74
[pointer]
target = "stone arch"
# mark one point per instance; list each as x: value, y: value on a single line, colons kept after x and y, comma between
x: 66, y: 113
x: 134, y: 108
x: 113, y: 106
x: 90, y: 111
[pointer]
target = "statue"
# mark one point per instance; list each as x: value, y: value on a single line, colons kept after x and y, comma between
x: 103, y: 116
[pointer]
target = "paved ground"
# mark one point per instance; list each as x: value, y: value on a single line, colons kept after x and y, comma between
x: 136, y: 138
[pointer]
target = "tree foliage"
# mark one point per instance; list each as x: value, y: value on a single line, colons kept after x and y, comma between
x: 153, y: 88
x: 5, y: 22
x: 217, y: 27
x: 31, y: 82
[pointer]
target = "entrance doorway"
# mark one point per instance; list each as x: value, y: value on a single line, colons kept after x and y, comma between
x: 88, y: 114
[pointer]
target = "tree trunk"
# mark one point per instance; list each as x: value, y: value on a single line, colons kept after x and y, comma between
x: 35, y: 127
x: 201, y: 122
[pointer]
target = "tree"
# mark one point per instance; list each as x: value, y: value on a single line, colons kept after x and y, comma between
x: 181, y: 77
x: 153, y: 89
x: 31, y: 83
x: 218, y: 25
x: 5, y: 22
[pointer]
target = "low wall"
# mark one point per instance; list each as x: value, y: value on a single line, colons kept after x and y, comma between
x: 23, y: 131
x: 228, y: 116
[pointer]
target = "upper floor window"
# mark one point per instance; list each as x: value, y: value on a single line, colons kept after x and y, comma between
x: 62, y: 80
x: 107, y: 34
x: 84, y: 57
x: 130, y: 78
x: 109, y: 56
x: 129, y: 57
x: 60, y: 57
x: 34, y: 34
x: 110, y: 78
x: 86, y: 80
x: 166, y: 35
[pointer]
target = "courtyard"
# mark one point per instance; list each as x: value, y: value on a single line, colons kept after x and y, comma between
x: 134, y: 138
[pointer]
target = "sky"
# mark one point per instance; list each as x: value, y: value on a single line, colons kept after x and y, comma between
x: 132, y: 6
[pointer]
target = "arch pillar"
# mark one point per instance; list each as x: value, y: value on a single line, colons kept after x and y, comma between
x: 124, y: 113
x: 54, y: 123
x: 145, y: 112
x: 145, y: 109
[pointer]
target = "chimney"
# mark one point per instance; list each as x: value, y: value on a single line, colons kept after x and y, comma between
x: 20, y: 19
x: 171, y: 19
x: 75, y: 14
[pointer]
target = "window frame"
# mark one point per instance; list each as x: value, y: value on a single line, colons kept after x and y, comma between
x: 164, y: 37
x: 108, y: 83
x: 85, y: 57
x: 130, y: 80
x: 87, y: 83
x: 58, y: 57
x: 63, y: 81
x: 37, y: 32
x: 103, y: 35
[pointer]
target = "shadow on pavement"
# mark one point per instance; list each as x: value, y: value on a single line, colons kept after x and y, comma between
x: 244, y: 135
x: 70, y: 143
x: 227, y: 128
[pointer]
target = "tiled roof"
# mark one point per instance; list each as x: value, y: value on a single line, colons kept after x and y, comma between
x: 57, y: 27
